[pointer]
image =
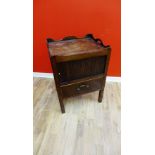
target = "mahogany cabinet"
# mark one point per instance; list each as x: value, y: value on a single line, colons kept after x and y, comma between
x: 79, y: 66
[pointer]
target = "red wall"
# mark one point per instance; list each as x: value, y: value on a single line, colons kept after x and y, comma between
x: 59, y: 18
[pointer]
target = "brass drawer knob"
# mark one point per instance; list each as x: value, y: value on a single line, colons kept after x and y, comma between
x: 78, y: 89
x: 82, y: 86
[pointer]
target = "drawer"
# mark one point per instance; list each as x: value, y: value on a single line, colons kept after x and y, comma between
x: 82, y: 87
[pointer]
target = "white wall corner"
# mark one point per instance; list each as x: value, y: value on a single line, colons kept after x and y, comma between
x: 113, y: 79
x: 42, y: 75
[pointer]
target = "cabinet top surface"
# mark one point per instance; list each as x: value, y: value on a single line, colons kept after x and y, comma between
x: 73, y: 47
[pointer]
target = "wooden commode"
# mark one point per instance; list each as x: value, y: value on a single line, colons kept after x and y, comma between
x: 79, y: 66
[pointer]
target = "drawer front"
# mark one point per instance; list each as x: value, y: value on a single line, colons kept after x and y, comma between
x: 82, y: 87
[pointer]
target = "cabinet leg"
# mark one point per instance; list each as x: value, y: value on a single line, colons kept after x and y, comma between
x: 100, y: 97
x: 61, y: 104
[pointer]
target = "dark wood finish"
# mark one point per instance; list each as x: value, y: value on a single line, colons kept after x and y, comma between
x: 57, y: 83
x: 69, y: 71
x: 100, y: 96
x: 82, y: 88
x: 70, y: 38
x: 82, y: 79
x: 79, y: 65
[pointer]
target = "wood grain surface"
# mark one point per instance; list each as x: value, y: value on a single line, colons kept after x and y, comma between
x: 72, y: 47
x: 87, y: 127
